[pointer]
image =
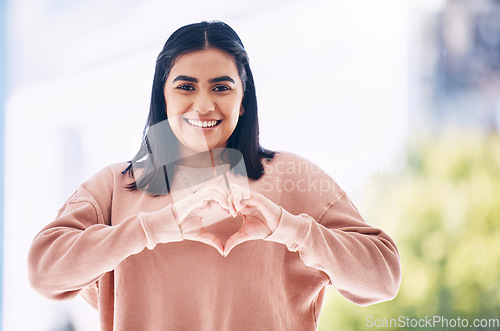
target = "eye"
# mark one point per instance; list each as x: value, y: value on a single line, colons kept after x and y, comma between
x: 185, y: 87
x: 221, y: 88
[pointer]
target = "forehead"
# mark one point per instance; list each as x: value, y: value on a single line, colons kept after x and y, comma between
x: 209, y: 63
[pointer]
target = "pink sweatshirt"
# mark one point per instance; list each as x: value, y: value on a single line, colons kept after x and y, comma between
x: 125, y: 254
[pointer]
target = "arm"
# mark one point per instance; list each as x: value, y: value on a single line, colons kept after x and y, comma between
x: 78, y: 247
x: 362, y: 262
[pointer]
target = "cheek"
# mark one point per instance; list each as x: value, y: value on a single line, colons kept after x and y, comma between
x: 173, y: 115
x: 173, y: 109
x: 232, y: 121
x: 175, y: 106
x: 175, y: 126
x: 231, y: 108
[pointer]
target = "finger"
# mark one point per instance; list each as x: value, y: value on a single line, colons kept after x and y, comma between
x: 236, y: 239
x: 232, y: 201
x: 233, y: 211
x: 263, y: 208
x: 245, y: 193
x: 239, y: 195
x: 217, y: 194
x: 202, y: 199
x: 251, y: 199
x: 227, y: 205
x: 196, y: 201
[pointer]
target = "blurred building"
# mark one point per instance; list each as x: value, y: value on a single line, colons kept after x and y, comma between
x: 460, y: 62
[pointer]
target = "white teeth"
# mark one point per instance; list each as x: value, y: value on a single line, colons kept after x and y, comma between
x: 200, y: 124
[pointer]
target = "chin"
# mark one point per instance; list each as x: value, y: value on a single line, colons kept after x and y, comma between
x: 199, y: 148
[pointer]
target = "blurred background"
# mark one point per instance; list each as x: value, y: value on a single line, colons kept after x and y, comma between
x: 398, y: 100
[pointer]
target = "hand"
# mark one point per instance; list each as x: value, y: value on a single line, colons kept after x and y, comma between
x: 260, y: 216
x: 190, y: 211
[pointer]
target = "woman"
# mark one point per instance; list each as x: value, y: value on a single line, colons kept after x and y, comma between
x: 204, y: 229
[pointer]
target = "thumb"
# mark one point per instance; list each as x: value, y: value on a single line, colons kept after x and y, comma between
x: 239, y: 237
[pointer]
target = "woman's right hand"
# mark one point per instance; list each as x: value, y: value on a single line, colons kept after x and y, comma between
x: 189, y: 213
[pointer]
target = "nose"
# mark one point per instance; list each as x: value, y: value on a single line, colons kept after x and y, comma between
x: 203, y: 103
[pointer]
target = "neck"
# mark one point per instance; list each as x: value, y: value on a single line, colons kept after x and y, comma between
x: 210, y: 158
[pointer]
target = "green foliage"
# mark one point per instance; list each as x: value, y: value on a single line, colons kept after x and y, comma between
x: 443, y: 211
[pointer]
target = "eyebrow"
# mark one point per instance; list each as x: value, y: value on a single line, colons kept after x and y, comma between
x: 185, y: 78
x: 221, y: 79
x: 213, y: 80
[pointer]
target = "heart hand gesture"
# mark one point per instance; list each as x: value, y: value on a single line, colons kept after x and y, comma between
x: 260, y: 216
x: 190, y: 211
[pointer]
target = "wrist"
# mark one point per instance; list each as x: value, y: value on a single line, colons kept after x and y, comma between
x: 290, y: 229
x: 160, y: 226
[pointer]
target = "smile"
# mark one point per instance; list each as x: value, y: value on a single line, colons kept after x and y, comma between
x: 203, y: 124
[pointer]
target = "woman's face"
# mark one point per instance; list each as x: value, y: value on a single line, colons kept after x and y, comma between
x: 203, y: 95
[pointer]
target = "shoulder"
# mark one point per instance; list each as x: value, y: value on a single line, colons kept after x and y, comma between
x: 295, y: 174
x: 107, y: 179
x: 110, y: 172
x: 287, y: 163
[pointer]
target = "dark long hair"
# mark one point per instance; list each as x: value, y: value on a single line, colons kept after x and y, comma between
x: 245, y: 138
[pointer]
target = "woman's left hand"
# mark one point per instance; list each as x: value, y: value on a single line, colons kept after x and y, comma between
x: 260, y: 216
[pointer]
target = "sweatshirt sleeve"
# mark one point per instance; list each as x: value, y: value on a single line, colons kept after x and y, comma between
x: 79, y: 246
x: 361, y: 261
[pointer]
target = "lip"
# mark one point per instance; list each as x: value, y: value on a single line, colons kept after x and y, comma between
x: 202, y: 119
x: 208, y: 128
